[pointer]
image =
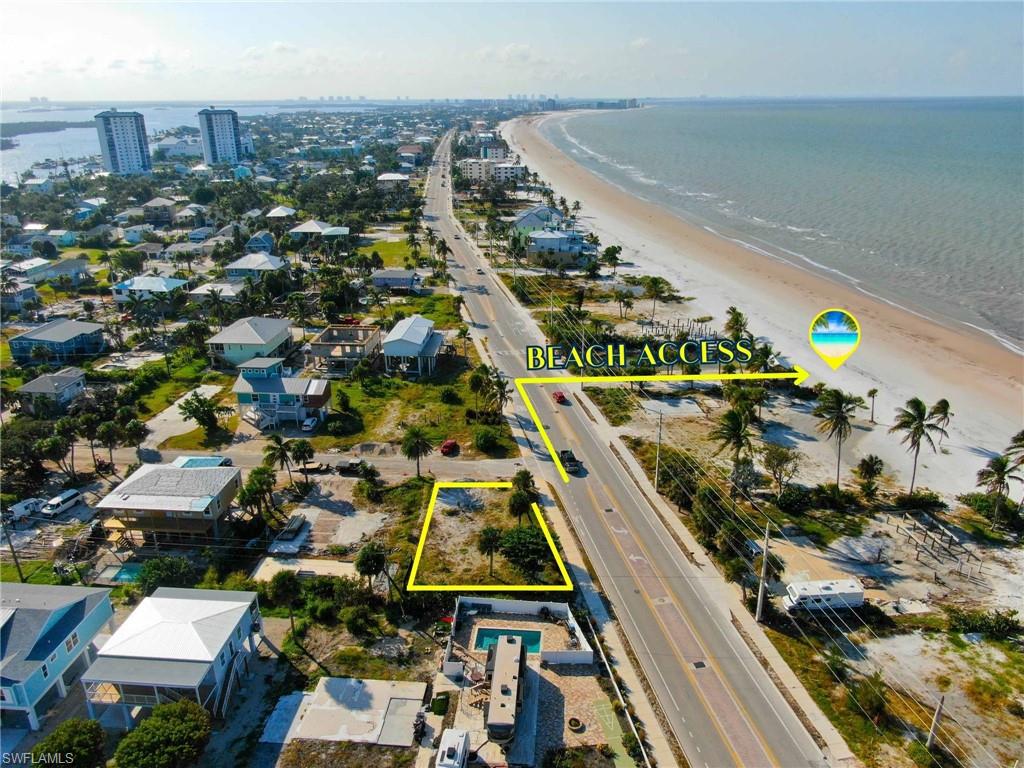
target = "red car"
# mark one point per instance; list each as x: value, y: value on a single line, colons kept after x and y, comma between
x: 448, y: 447
x: 559, y: 397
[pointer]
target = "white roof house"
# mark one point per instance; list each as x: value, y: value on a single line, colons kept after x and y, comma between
x: 166, y: 488
x: 281, y: 212
x: 228, y: 290
x: 413, y: 339
x: 253, y: 264
x: 311, y: 227
x: 197, y: 642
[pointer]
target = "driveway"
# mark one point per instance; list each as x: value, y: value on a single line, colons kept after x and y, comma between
x: 170, y: 421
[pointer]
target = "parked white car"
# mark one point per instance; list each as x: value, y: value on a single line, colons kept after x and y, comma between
x: 309, y: 425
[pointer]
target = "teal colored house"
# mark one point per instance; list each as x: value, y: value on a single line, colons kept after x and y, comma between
x: 251, y: 337
x: 63, y: 340
x: 46, y: 636
x: 266, y: 396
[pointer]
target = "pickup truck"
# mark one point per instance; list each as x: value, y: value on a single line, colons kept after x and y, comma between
x: 351, y: 467
x: 569, y: 461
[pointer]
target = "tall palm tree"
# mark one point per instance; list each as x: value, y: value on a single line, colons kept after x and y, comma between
x: 519, y: 504
x: 371, y: 560
x: 872, y: 393
x: 1015, y: 451
x: 216, y: 306
x: 995, y: 478
x: 733, y: 433
x: 416, y: 445
x: 917, y: 427
x: 835, y: 411
x: 941, y: 415
x: 735, y: 323
x: 489, y: 542
x: 278, y: 451
x: 655, y: 289
x: 302, y: 453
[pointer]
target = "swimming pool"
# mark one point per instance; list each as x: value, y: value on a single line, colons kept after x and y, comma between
x: 121, y: 574
x: 488, y: 636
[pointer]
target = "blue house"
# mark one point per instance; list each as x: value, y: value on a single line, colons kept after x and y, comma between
x: 65, y: 340
x: 262, y: 241
x: 46, y: 635
x: 265, y: 395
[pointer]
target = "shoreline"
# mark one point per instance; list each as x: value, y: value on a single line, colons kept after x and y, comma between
x: 903, y: 353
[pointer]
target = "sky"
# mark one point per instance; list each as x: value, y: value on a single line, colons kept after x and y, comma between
x: 233, y: 51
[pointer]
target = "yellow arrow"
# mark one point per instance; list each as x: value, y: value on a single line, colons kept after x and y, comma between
x: 798, y: 375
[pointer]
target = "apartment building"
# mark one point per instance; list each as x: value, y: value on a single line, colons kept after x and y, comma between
x: 222, y: 136
x: 123, y: 142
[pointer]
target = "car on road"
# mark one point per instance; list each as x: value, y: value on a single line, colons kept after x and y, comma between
x: 309, y: 425
x: 457, y: 236
x: 559, y: 397
x: 449, y: 447
x: 569, y: 461
x: 479, y: 271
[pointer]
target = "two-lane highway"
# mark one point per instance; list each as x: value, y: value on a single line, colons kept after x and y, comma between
x: 721, y: 705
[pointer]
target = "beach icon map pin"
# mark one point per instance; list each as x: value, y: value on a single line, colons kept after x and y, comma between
x: 835, y: 335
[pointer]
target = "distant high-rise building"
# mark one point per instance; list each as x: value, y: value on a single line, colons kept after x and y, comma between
x: 123, y: 142
x: 222, y: 138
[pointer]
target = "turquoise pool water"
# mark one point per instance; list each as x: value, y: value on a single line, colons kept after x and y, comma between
x: 488, y: 636
x: 124, y: 574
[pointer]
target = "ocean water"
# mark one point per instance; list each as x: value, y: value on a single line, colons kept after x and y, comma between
x: 918, y: 202
x: 77, y: 143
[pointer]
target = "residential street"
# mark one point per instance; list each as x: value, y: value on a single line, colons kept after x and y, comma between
x: 720, y: 703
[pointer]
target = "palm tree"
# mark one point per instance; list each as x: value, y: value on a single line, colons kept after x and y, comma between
x: 917, y: 427
x: 285, y: 589
x: 735, y: 323
x: 835, y: 411
x: 302, y: 453
x: 656, y: 288
x: 941, y: 415
x: 371, y: 560
x: 463, y: 335
x: 416, y: 445
x: 1015, y: 450
x: 872, y: 393
x: 519, y: 504
x: 995, y: 478
x: 216, y: 306
x: 489, y: 542
x: 733, y: 432
x: 278, y: 451
x: 478, y: 383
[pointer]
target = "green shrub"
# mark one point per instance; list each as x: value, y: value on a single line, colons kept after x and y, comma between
x: 439, y: 706
x: 795, y: 499
x: 831, y: 496
x: 174, y: 736
x: 485, y: 439
x: 924, y: 500
x: 997, y: 625
x: 82, y: 740
x: 450, y: 396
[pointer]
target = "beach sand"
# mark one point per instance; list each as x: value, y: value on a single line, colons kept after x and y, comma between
x: 902, y: 354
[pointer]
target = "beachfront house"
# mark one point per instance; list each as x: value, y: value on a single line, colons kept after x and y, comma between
x: 196, y: 644
x: 148, y: 288
x: 260, y: 242
x: 251, y: 337
x: 58, y: 341
x: 536, y: 218
x: 163, y: 501
x: 47, y: 633
x: 557, y: 247
x: 227, y: 290
x: 267, y: 396
x: 307, y: 229
x: 342, y: 347
x: 253, y: 265
x: 56, y: 390
x: 412, y: 346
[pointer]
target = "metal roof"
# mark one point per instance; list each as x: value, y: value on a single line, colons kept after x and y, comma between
x: 165, y: 487
x: 59, y: 331
x: 52, y: 383
x: 250, y: 330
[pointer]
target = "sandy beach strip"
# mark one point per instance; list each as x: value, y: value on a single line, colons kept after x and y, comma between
x: 902, y: 353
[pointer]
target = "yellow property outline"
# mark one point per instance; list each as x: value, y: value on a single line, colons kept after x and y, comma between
x: 411, y: 586
x: 798, y: 374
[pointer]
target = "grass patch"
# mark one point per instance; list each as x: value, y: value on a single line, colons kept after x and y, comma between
x: 36, y: 572
x: 309, y: 753
x: 437, y: 307
x: 616, y: 403
x: 183, y: 378
x: 394, y: 253
x: 198, y: 440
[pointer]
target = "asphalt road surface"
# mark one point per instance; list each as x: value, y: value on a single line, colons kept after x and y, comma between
x: 721, y: 705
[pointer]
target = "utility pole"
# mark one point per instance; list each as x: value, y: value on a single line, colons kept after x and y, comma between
x: 764, y: 576
x: 657, y: 454
x: 17, y: 564
x: 933, y: 732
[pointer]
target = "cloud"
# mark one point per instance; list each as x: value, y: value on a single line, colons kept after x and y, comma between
x: 117, y: 64
x: 638, y: 43
x: 279, y: 47
x: 513, y: 53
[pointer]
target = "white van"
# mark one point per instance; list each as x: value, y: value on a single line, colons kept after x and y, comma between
x: 62, y: 503
x: 24, y: 508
